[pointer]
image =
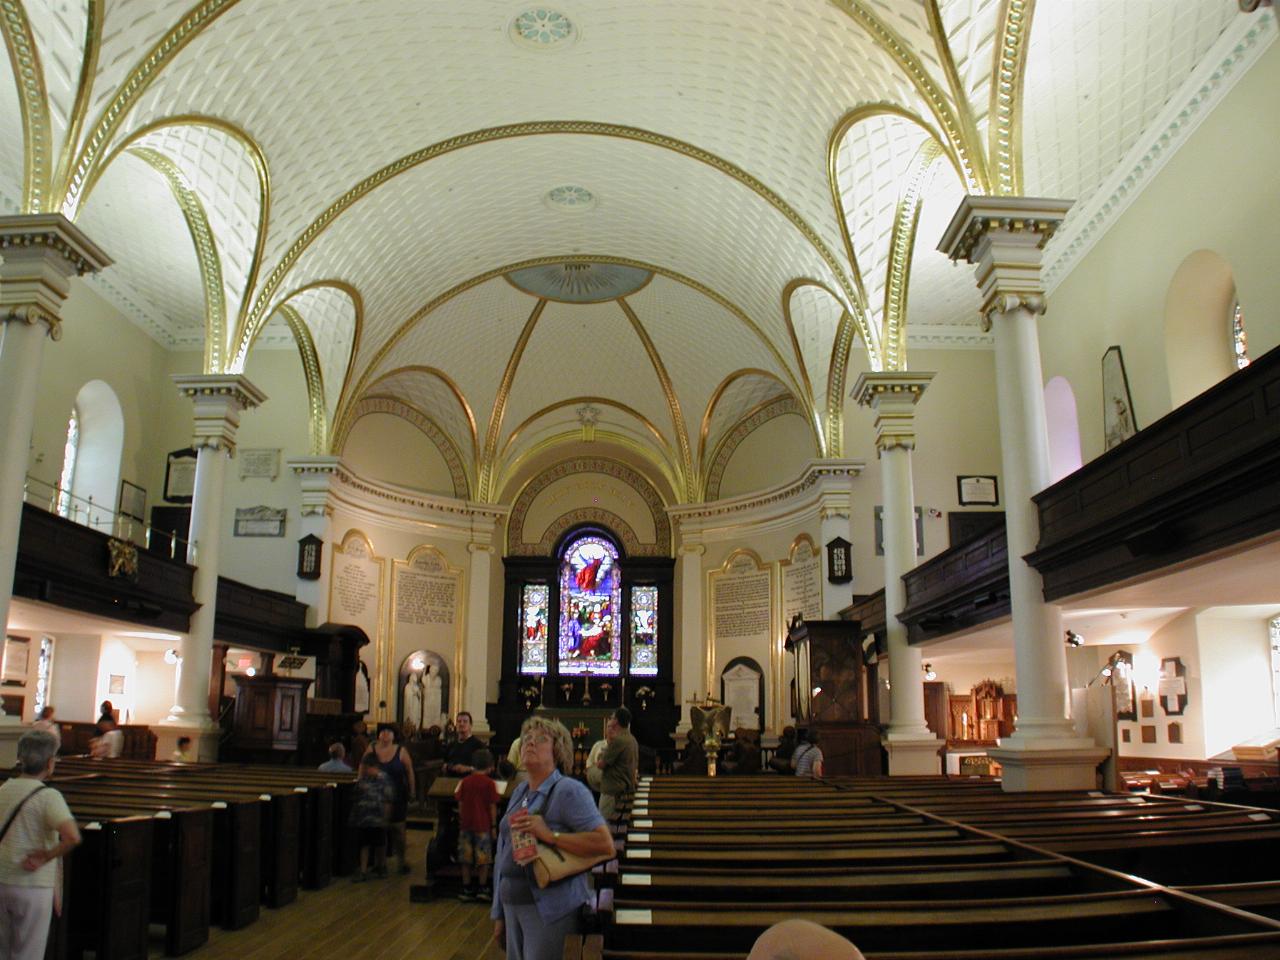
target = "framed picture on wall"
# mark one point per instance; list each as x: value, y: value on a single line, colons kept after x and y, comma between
x: 17, y: 661
x: 133, y: 501
x: 1118, y: 421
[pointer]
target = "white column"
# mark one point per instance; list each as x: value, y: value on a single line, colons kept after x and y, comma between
x: 1004, y: 237
x: 314, y: 475
x: 693, y: 641
x: 219, y: 400
x: 474, y: 684
x: 912, y: 747
x: 39, y: 255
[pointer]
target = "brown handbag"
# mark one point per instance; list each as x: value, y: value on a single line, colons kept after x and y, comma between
x: 554, y: 864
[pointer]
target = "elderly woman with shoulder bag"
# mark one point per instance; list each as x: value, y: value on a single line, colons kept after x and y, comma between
x: 556, y: 811
x: 37, y: 830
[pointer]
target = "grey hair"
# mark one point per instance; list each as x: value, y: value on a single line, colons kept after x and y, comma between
x: 561, y: 742
x: 35, y: 750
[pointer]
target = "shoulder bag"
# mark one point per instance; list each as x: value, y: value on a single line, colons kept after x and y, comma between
x: 553, y: 864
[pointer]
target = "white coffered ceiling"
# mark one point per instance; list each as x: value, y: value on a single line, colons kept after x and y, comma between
x: 377, y: 167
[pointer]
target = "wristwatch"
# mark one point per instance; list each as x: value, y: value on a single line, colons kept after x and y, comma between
x: 555, y: 838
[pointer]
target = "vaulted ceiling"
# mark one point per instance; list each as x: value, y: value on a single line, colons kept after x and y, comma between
x: 651, y: 218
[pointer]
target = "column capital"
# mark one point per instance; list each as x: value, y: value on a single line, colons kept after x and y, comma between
x: 219, y: 399
x: 314, y: 475
x: 1004, y: 237
x: 691, y: 549
x: 314, y: 466
x: 39, y: 254
x: 893, y: 396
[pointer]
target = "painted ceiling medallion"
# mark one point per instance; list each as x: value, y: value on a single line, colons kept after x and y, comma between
x: 542, y: 27
x: 570, y: 197
x: 571, y: 282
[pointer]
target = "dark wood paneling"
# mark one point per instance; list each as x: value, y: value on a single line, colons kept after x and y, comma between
x: 1201, y: 478
x: 959, y: 588
x: 258, y: 618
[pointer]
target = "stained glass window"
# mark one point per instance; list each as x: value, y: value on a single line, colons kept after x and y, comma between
x: 69, y: 452
x: 533, y: 628
x: 644, y: 631
x: 590, y: 608
x: 1239, y: 343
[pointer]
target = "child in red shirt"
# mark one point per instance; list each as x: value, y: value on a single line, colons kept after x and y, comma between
x: 478, y: 825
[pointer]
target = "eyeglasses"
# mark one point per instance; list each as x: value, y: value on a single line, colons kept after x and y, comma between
x: 535, y: 739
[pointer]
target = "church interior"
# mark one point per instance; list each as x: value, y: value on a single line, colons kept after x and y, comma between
x: 900, y: 370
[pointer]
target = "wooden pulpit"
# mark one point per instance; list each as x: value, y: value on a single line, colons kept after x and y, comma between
x: 269, y: 714
x: 831, y: 694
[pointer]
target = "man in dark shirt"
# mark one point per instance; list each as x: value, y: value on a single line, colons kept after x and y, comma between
x: 457, y: 760
x: 619, y: 764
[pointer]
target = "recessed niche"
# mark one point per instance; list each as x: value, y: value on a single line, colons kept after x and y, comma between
x: 1175, y: 733
x: 1148, y: 733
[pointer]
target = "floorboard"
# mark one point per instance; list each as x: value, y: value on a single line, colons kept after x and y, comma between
x: 360, y: 921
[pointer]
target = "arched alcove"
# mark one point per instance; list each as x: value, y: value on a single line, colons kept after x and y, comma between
x: 97, y: 468
x: 1064, y: 428
x: 1197, y: 325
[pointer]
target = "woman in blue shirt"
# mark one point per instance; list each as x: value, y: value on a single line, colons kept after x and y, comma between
x: 556, y: 810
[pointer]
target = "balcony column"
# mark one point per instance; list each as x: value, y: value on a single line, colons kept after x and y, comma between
x: 693, y: 641
x: 1004, y: 238
x: 912, y: 747
x: 39, y: 254
x: 219, y: 400
x: 314, y: 475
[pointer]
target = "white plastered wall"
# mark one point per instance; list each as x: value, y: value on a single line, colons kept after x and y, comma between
x: 768, y: 456
x: 382, y: 446
x: 1216, y: 193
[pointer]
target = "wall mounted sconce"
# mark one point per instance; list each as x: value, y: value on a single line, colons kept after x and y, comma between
x: 1074, y: 639
x: 929, y: 673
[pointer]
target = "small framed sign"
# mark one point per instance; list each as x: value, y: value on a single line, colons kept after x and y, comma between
x: 839, y: 560
x: 977, y: 490
x: 309, y: 553
x: 180, y: 476
x: 133, y: 501
x: 261, y: 462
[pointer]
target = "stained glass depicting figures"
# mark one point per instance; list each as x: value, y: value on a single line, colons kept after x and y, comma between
x: 644, y: 632
x: 590, y: 607
x: 533, y: 628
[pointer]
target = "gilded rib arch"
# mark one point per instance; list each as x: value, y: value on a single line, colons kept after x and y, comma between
x: 716, y: 396
x: 901, y: 249
x: 134, y: 85
x: 259, y: 312
x: 256, y: 157
x: 969, y: 155
x: 33, y: 101
x: 439, y: 301
x: 1005, y: 125
x: 316, y: 421
x: 210, y: 263
x: 84, y: 88
x: 485, y: 487
x: 449, y: 382
x: 358, y: 304
x: 576, y: 401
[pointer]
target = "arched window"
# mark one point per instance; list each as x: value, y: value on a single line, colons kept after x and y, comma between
x: 1064, y: 428
x: 70, y: 450
x: 590, y: 608
x: 95, y: 478
x: 644, y: 632
x: 1199, y: 304
x: 1239, y: 342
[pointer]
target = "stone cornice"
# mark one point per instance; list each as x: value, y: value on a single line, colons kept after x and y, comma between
x: 980, y: 218
x: 389, y: 504
x: 55, y: 233
x: 875, y: 386
x: 766, y: 503
x: 228, y: 388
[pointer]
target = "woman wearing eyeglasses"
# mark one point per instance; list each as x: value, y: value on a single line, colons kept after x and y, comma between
x: 556, y: 810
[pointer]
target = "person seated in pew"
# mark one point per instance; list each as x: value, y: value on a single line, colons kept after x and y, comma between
x: 109, y: 744
x: 183, y: 754
x: 337, y: 762
x: 744, y: 752
x: 781, y: 760
x: 106, y: 712
x: 807, y: 760
x: 695, y: 757
x: 49, y: 725
x: 369, y: 815
x: 802, y: 940
x: 38, y: 830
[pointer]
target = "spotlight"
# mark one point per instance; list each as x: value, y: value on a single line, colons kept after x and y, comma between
x: 171, y: 656
x: 251, y: 672
x: 1074, y: 639
x: 929, y: 673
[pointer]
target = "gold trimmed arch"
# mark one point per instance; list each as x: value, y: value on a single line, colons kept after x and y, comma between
x: 485, y: 487
x: 135, y: 84
x: 508, y: 470
x: 33, y: 103
x: 257, y: 316
x: 602, y: 401
x: 768, y: 410
x: 687, y: 470
x: 261, y: 171
x: 902, y: 245
x: 357, y: 303
x: 829, y: 433
x: 318, y: 427
x: 444, y: 378
x: 84, y: 87
x: 210, y: 263
x: 425, y: 425
x: 1004, y: 127
x: 971, y: 164
x: 718, y: 393
x: 623, y: 472
x: 440, y: 300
